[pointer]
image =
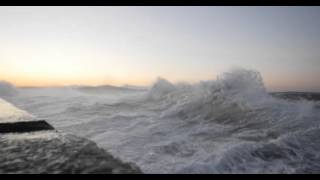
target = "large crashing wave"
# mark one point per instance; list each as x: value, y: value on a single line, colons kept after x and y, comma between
x: 238, y: 83
x: 238, y: 89
x: 251, y: 130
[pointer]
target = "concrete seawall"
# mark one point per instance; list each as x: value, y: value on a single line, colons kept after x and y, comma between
x: 34, y: 147
x: 31, y: 146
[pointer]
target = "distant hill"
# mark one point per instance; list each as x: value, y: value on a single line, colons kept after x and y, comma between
x: 106, y: 88
x: 311, y: 96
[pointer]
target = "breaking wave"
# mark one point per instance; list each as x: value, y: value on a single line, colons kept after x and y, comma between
x: 261, y: 134
x: 7, y: 89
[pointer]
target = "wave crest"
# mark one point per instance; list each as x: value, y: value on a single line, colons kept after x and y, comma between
x: 161, y: 88
x: 7, y: 89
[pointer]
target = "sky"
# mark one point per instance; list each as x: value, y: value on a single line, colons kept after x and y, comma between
x: 56, y: 46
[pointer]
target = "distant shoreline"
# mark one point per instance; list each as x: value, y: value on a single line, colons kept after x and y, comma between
x: 292, y: 95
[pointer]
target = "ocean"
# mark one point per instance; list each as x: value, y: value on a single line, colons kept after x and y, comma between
x: 228, y: 125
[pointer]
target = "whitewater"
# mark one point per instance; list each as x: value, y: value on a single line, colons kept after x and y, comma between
x: 227, y: 125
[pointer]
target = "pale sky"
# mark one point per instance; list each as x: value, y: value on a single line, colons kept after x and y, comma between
x: 53, y: 46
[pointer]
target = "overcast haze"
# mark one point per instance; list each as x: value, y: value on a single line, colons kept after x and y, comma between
x: 49, y: 46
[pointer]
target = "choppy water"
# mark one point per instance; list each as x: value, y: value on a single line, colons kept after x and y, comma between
x: 228, y: 125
